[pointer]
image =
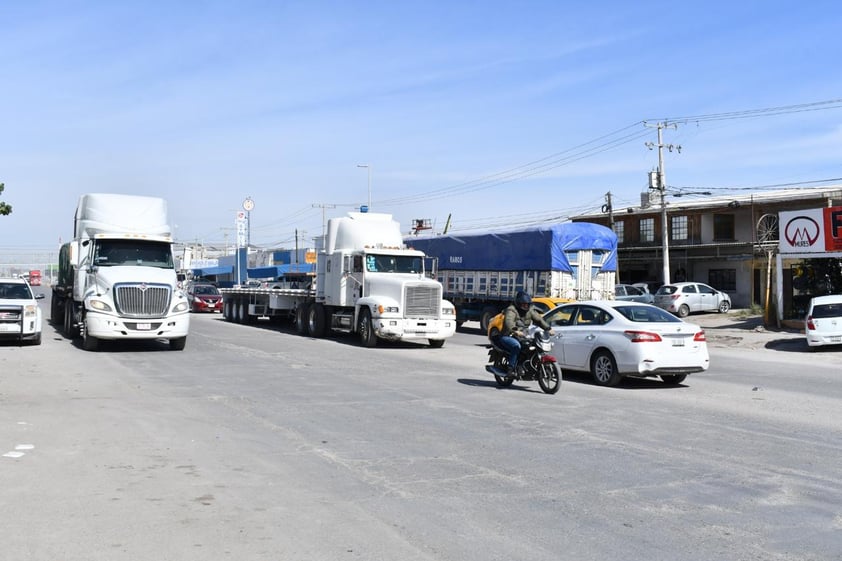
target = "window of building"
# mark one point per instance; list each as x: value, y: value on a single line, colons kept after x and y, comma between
x: 723, y: 279
x: 647, y: 230
x: 620, y: 230
x: 679, y: 228
x: 723, y: 227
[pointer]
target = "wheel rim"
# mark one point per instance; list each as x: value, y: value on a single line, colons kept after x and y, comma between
x: 603, y: 369
x: 365, y: 327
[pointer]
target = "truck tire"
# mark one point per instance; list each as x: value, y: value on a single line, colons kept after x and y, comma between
x: 178, y: 343
x: 241, y: 311
x: 316, y: 320
x: 365, y: 328
x: 56, y: 312
x: 226, y: 309
x: 70, y: 330
x: 485, y: 318
x: 436, y: 343
x: 301, y: 320
x: 89, y: 342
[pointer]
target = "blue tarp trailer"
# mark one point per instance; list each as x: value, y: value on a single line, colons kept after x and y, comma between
x: 481, y: 272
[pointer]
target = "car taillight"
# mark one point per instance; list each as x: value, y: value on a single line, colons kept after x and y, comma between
x: 643, y: 337
x: 810, y: 325
x: 700, y: 336
x: 675, y: 296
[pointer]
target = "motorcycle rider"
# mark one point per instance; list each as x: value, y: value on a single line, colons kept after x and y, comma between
x: 517, y: 317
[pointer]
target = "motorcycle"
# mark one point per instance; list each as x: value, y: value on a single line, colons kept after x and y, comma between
x: 534, y: 362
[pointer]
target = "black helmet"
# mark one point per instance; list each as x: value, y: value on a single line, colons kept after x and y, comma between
x: 522, y: 299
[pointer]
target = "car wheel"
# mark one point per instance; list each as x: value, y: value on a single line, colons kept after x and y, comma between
x: 604, y: 369
x: 683, y: 311
x: 724, y: 306
x: 674, y: 379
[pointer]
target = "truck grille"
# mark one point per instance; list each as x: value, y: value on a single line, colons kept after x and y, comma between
x: 423, y: 301
x: 142, y: 300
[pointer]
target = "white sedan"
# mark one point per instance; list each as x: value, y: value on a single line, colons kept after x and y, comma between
x: 614, y: 339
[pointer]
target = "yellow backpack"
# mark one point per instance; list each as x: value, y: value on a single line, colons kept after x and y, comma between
x: 495, y: 326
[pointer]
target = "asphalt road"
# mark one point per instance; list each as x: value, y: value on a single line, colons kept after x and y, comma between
x: 256, y: 444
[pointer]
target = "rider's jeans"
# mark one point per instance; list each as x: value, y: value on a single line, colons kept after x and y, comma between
x: 513, y: 346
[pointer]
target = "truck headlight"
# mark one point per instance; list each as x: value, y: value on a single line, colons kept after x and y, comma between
x: 387, y: 309
x: 99, y: 305
x: 30, y: 311
x: 180, y: 307
x: 448, y: 312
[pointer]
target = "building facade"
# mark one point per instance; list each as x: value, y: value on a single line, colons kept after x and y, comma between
x: 730, y: 243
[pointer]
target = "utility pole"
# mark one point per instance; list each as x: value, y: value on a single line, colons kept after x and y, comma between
x: 662, y: 187
x: 322, y: 206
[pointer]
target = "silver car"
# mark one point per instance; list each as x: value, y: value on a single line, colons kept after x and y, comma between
x: 631, y: 293
x: 683, y: 298
x: 823, y: 324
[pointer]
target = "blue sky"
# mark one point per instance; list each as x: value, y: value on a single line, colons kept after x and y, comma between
x: 492, y: 113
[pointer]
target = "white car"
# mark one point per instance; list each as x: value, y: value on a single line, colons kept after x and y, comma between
x: 613, y: 339
x: 681, y: 298
x: 20, y: 315
x: 823, y: 324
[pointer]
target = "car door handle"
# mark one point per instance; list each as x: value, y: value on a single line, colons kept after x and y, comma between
x: 590, y: 337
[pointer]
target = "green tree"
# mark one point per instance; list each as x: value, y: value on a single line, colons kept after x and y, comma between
x: 5, y: 209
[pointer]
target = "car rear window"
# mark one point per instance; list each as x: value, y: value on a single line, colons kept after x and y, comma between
x: 642, y: 314
x: 667, y: 289
x: 827, y: 311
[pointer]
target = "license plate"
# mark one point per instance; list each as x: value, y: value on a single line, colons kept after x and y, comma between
x: 678, y: 342
x: 9, y: 327
x: 144, y: 326
x: 835, y: 339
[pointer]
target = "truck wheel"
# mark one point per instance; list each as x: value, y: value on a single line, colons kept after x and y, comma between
x: 301, y: 319
x: 485, y: 318
x: 178, y: 343
x: 436, y: 343
x: 89, y: 342
x: 316, y: 320
x: 69, y: 330
x: 226, y: 310
x: 366, y: 329
x: 241, y: 311
x: 56, y: 315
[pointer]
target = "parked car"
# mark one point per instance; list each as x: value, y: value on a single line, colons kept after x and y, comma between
x: 613, y: 339
x: 823, y: 324
x: 683, y: 298
x: 204, y: 297
x: 546, y: 303
x: 20, y: 315
x: 631, y: 293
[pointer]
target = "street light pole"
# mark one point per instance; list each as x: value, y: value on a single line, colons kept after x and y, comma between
x: 368, y: 167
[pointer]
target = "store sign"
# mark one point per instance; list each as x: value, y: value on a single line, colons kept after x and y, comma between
x: 817, y: 230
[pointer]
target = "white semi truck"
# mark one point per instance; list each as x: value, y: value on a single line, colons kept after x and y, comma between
x: 116, y: 278
x: 367, y: 282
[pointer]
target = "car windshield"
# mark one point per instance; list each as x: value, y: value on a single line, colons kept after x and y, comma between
x: 14, y: 291
x: 827, y: 311
x: 205, y: 289
x: 644, y: 314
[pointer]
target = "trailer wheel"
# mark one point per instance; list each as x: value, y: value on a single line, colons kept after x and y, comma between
x: 301, y: 319
x: 485, y: 319
x: 316, y: 320
x: 366, y: 329
x: 226, y: 310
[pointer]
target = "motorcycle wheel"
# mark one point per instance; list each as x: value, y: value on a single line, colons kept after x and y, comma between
x: 502, y: 363
x: 549, y: 377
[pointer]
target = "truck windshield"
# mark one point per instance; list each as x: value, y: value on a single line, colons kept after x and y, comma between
x: 393, y: 264
x: 137, y: 253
